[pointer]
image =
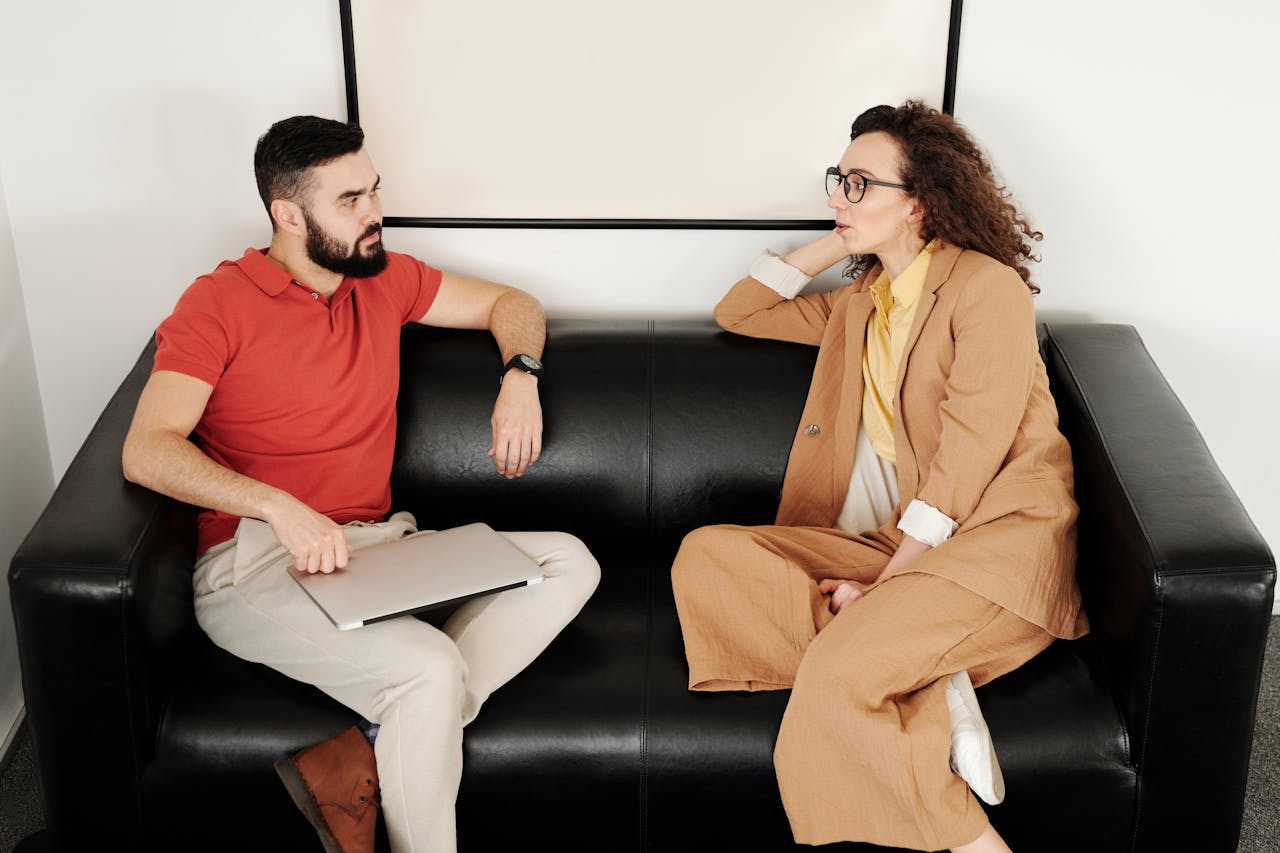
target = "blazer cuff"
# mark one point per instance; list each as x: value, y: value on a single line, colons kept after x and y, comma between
x: 772, y: 271
x: 921, y: 521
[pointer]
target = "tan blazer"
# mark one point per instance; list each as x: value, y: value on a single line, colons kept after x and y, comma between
x: 975, y: 429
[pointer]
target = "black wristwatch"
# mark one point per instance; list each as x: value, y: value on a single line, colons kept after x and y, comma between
x: 524, y: 362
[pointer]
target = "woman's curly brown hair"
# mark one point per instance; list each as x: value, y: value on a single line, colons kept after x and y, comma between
x: 944, y: 168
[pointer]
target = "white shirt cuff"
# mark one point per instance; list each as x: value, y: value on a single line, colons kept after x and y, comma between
x: 772, y: 271
x: 921, y: 521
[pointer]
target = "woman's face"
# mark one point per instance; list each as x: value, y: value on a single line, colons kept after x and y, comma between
x: 886, y: 220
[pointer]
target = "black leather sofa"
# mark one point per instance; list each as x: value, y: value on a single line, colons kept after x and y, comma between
x: 1135, y: 738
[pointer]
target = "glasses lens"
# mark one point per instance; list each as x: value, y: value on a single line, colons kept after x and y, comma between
x: 854, y: 187
x: 852, y: 184
x: 833, y: 181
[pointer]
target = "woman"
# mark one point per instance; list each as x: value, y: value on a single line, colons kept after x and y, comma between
x: 926, y: 527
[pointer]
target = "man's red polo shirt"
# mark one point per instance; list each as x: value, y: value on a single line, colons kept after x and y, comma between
x: 304, y: 387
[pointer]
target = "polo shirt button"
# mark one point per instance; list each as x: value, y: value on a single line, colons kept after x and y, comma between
x: 812, y: 430
x: 315, y: 296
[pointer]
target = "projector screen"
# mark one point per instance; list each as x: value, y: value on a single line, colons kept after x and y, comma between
x: 592, y: 110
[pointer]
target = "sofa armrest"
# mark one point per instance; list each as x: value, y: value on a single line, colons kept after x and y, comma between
x: 1176, y: 579
x: 100, y: 588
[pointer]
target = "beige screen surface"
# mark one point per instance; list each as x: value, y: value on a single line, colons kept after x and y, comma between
x: 663, y: 109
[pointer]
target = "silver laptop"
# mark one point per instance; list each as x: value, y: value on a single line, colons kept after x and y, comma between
x: 419, y: 573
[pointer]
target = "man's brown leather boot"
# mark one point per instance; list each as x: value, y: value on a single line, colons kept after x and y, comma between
x: 335, y: 784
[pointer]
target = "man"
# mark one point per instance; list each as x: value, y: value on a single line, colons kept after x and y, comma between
x: 284, y: 364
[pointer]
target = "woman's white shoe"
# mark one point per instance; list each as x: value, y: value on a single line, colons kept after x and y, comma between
x: 973, y: 755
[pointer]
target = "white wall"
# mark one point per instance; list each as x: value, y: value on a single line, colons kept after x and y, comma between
x: 128, y: 159
x: 1134, y: 133
x: 24, y: 459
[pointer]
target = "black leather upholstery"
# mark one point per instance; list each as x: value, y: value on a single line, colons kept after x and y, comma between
x: 149, y: 737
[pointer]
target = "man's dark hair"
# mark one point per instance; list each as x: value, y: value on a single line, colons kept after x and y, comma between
x: 287, y: 152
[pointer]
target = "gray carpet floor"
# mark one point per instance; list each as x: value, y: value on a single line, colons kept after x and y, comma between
x: 20, y: 811
x: 1261, y: 830
x: 21, y: 815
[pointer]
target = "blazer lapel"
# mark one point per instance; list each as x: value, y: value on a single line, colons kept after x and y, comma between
x: 940, y: 266
x: 849, y: 413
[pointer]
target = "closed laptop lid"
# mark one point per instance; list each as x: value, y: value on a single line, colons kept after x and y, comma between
x: 418, y: 572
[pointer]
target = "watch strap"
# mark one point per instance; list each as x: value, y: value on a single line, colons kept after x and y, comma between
x: 518, y: 362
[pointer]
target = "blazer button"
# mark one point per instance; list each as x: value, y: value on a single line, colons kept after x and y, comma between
x: 812, y: 430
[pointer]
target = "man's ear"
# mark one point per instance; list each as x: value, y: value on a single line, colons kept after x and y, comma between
x: 288, y: 216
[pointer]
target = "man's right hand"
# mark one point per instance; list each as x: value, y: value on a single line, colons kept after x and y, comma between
x: 314, y: 540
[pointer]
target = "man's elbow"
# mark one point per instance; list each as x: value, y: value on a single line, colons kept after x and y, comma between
x: 132, y: 460
x: 128, y: 466
x: 518, y: 301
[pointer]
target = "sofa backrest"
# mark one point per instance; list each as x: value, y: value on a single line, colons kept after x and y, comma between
x: 652, y: 428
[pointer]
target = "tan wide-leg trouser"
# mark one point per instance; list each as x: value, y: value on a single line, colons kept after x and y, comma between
x: 421, y: 683
x: 863, y: 750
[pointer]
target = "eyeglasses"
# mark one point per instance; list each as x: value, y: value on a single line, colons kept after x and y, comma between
x: 855, y: 185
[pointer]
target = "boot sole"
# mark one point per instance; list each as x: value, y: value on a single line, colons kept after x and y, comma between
x: 306, y: 803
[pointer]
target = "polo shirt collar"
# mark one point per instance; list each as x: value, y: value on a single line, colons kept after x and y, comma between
x: 269, y: 276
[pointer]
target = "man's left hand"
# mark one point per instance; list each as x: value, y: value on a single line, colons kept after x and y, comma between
x: 517, y: 424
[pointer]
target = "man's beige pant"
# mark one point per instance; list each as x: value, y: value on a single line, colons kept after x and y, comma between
x: 420, y: 683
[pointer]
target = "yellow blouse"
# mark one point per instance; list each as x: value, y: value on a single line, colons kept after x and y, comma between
x: 887, y: 331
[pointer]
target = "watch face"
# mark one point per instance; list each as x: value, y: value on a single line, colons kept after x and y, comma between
x: 531, y: 362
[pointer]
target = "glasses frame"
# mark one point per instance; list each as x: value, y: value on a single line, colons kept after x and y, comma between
x: 834, y: 171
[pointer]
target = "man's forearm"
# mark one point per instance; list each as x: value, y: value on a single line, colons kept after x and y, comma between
x: 518, y: 324
x: 172, y: 465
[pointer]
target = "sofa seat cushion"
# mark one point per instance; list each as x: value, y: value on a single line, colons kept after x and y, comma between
x: 558, y: 751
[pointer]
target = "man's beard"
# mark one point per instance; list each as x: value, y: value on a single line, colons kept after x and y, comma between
x: 327, y: 252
